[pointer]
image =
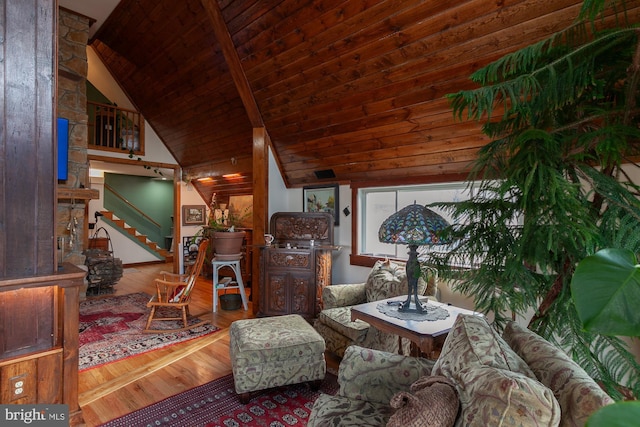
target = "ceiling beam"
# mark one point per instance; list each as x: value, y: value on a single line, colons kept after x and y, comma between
x: 261, y: 141
x: 233, y: 61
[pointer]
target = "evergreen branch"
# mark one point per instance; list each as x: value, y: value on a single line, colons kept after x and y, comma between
x: 532, y: 81
x: 591, y: 9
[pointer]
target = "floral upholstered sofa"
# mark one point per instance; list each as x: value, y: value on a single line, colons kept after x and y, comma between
x: 387, y: 279
x: 517, y: 379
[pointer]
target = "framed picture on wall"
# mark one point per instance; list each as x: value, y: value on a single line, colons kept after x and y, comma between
x: 321, y: 198
x: 194, y: 215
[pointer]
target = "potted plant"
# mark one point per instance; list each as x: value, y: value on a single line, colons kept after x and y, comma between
x: 606, y: 291
x: 223, y: 231
x: 553, y: 183
x: 228, y: 243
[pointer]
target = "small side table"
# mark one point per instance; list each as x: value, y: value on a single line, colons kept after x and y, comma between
x: 237, y: 284
x: 425, y: 336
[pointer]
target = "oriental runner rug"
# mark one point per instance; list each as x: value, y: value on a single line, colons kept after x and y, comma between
x: 111, y: 329
x: 216, y: 404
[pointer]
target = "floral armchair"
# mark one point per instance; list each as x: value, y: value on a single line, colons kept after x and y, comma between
x: 387, y: 279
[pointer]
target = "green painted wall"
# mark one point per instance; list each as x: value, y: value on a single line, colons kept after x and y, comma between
x: 152, y: 196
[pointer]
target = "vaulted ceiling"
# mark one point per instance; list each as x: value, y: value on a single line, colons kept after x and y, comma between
x: 355, y: 87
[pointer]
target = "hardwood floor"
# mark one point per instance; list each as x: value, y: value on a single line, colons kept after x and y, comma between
x: 121, y: 387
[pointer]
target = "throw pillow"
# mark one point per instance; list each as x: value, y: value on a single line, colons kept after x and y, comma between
x: 177, y: 293
x: 375, y: 376
x: 432, y: 402
x: 471, y: 343
x: 388, y: 279
x: 578, y: 394
x: 500, y: 398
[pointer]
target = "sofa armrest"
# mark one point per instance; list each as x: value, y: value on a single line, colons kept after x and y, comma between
x: 375, y: 376
x: 577, y: 393
x: 343, y: 295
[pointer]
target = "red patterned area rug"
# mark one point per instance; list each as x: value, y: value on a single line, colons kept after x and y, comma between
x: 111, y: 329
x: 216, y: 404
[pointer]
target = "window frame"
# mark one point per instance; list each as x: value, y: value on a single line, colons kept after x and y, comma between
x: 357, y: 259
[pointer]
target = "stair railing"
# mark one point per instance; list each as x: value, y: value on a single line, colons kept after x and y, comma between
x: 131, y: 205
x: 145, y: 224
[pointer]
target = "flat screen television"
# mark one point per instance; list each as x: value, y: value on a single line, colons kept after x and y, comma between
x: 63, y: 148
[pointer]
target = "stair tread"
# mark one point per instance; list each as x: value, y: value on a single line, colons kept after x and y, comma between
x: 126, y: 228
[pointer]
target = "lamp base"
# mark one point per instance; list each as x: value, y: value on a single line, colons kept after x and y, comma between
x: 405, y: 306
x: 418, y: 307
x: 413, y: 271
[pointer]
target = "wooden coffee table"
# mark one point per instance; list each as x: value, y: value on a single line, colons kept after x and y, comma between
x: 426, y: 336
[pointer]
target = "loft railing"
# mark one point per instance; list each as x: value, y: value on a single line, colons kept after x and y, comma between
x: 112, y: 128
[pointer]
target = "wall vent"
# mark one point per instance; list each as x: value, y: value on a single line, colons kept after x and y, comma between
x: 325, y: 174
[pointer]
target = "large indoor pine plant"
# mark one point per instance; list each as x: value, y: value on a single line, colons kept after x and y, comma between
x: 550, y: 188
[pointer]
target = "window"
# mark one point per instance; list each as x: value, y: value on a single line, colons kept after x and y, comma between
x: 375, y: 204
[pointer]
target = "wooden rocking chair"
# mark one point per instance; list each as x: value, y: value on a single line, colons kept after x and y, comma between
x: 174, y: 291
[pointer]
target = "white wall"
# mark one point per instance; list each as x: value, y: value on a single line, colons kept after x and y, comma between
x: 99, y: 76
x: 343, y: 271
x: 279, y: 195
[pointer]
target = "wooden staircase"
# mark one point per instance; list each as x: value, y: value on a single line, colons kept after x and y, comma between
x: 126, y: 228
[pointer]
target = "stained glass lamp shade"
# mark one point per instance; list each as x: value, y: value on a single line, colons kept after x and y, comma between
x: 415, y: 225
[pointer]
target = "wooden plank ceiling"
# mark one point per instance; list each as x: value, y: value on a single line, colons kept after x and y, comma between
x: 351, y: 86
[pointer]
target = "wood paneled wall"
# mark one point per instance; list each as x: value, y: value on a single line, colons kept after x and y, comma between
x: 27, y: 161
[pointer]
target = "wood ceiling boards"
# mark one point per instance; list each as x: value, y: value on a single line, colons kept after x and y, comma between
x: 353, y: 86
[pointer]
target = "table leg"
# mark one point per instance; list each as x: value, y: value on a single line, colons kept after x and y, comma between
x: 240, y: 282
x: 429, y: 348
x: 415, y: 350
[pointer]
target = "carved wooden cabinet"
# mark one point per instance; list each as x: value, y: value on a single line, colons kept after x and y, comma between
x: 294, y: 272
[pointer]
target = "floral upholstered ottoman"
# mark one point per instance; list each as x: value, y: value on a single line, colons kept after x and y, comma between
x: 275, y: 351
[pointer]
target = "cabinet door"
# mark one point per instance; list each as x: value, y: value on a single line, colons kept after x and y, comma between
x: 301, y: 293
x: 274, y: 293
x: 289, y: 285
x: 288, y: 292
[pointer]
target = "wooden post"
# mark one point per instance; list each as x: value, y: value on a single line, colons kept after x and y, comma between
x: 260, y: 206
